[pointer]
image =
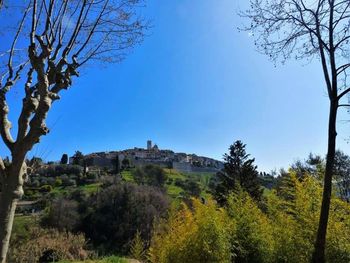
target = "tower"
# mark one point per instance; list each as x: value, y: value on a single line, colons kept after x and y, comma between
x: 149, y: 145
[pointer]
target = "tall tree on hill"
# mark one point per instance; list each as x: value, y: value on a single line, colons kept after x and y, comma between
x: 305, y: 30
x: 51, y: 41
x: 64, y: 158
x: 116, y: 163
x: 238, y: 169
x: 78, y: 158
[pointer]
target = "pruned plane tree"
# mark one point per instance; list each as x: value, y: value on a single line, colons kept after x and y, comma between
x: 44, y: 45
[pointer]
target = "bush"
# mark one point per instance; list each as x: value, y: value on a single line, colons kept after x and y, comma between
x: 51, y: 181
x: 45, y: 188
x: 150, y: 175
x: 118, y: 211
x: 241, y: 232
x: 58, y: 182
x: 66, y: 181
x: 137, y: 247
x: 253, y: 237
x: 179, y: 182
x: 62, y: 214
x: 92, y: 176
x: 45, y: 245
x: 200, y: 235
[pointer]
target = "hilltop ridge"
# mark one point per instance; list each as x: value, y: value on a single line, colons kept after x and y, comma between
x: 165, y: 158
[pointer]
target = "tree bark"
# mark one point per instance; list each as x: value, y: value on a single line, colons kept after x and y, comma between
x: 12, y: 191
x: 320, y: 244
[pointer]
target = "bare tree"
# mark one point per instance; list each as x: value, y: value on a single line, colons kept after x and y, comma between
x: 50, y: 42
x: 310, y: 29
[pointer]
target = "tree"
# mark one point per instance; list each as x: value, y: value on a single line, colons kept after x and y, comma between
x: 116, y: 164
x: 308, y: 29
x: 238, y: 168
x: 78, y: 158
x: 150, y: 175
x: 64, y: 158
x: 311, y: 166
x: 117, y: 212
x: 125, y: 163
x: 342, y: 174
x: 51, y: 42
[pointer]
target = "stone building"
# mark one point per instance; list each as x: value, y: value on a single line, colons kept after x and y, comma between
x: 153, y: 155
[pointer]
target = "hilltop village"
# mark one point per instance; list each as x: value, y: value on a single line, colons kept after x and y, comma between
x: 138, y: 157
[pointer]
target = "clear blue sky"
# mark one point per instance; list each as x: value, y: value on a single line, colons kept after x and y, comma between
x: 195, y: 85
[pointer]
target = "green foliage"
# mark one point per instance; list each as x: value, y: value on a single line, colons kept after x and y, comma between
x: 284, y: 232
x: 125, y: 163
x: 137, y: 248
x: 64, y: 159
x: 253, y: 238
x: 62, y: 214
x: 78, y: 158
x: 58, y: 182
x: 238, y: 170
x: 45, y: 188
x: 342, y: 175
x: 117, y: 212
x: 150, y: 175
x: 193, y: 236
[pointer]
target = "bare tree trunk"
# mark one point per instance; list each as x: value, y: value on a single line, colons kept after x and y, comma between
x: 12, y: 191
x: 320, y: 244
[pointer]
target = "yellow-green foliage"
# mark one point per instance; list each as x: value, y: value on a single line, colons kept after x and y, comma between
x: 295, y: 221
x: 284, y: 232
x: 253, y: 236
x: 196, y: 235
x: 137, y: 249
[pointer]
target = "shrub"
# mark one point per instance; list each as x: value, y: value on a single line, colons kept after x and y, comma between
x: 200, y: 235
x: 51, y: 245
x: 62, y: 214
x: 45, y: 188
x: 295, y: 214
x: 137, y: 248
x: 66, y: 181
x: 179, y: 182
x: 92, y: 176
x: 253, y: 237
x: 51, y: 181
x: 150, y: 175
x: 118, y: 211
x: 58, y: 182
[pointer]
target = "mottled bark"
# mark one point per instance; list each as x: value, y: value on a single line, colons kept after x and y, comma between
x: 11, y: 192
x: 100, y: 30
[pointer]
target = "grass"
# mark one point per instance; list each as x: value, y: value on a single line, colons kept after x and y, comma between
x: 90, y: 188
x: 21, y: 226
x: 112, y: 259
x: 173, y: 190
x: 173, y: 175
x: 127, y: 176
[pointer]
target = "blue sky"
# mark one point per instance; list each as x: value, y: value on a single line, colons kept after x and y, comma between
x: 195, y: 85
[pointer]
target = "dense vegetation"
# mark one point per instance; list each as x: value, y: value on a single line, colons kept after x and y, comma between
x: 160, y: 215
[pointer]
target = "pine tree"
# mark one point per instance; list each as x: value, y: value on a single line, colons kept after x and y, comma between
x: 238, y: 169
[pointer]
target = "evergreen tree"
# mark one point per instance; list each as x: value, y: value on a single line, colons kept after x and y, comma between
x: 116, y: 164
x: 238, y: 169
x: 64, y: 159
